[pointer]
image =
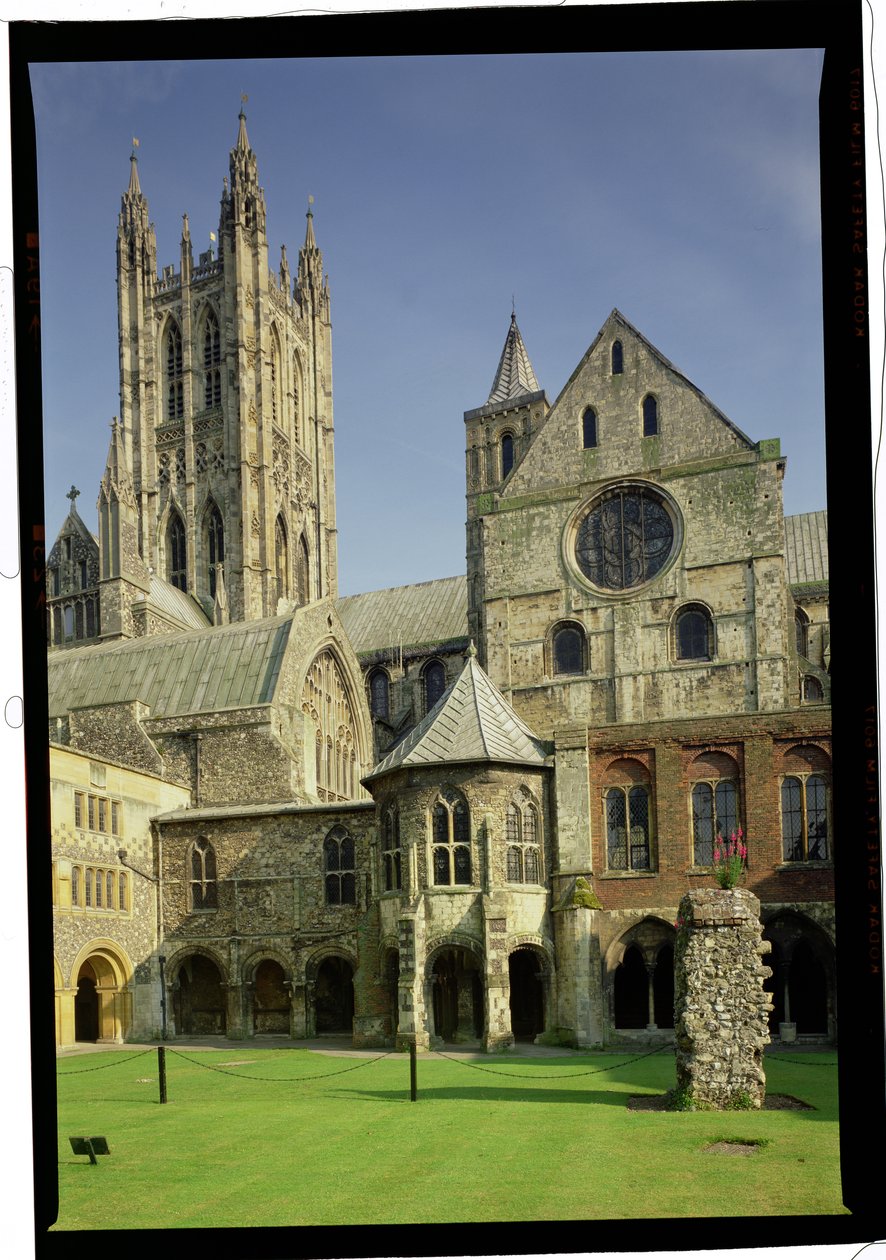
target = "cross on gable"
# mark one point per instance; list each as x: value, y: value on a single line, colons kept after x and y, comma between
x: 72, y: 495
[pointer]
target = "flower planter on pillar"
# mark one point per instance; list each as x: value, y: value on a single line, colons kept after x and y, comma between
x: 721, y: 1007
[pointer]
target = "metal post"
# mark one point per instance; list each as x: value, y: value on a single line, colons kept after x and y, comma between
x: 162, y: 962
x: 161, y: 1068
x: 412, y: 1072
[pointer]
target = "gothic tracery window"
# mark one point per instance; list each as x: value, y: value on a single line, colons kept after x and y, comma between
x: 451, y: 841
x: 215, y: 546
x: 804, y: 818
x: 176, y: 552
x: 339, y: 864
x: 281, y: 558
x: 391, y: 852
x: 211, y: 362
x: 203, y: 876
x: 625, y: 538
x: 523, y: 852
x: 379, y: 693
x: 174, y: 377
x: 326, y: 703
x: 303, y: 572
x: 435, y: 684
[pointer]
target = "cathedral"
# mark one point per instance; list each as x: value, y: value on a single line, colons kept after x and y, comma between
x: 461, y: 811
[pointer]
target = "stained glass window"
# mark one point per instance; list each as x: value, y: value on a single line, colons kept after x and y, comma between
x: 693, y: 635
x: 568, y: 650
x: 625, y: 539
x: 589, y: 428
x: 627, y: 829
x: 650, y: 416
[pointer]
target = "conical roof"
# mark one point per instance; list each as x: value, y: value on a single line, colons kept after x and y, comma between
x: 471, y: 721
x: 514, y: 376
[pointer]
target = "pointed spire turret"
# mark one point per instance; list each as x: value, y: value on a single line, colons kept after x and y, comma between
x: 246, y: 202
x: 116, y: 481
x: 514, y: 376
x: 311, y: 287
x: 242, y: 145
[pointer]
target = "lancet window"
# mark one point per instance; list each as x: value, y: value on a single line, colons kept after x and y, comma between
x: 211, y: 362
x: 175, y: 404
x: 203, y: 876
x: 326, y: 702
x: 451, y: 841
x: 522, y: 835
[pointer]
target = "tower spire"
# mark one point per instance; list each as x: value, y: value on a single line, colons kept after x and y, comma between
x: 514, y: 376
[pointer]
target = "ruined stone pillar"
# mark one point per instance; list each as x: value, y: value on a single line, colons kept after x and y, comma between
x: 721, y: 1007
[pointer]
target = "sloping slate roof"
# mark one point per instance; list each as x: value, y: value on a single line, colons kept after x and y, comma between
x: 514, y: 375
x: 223, y: 667
x: 405, y: 616
x: 471, y: 721
x: 177, y: 604
x: 806, y: 547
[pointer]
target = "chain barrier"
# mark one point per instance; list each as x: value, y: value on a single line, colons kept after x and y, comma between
x: 116, y: 1063
x: 280, y: 1080
x: 782, y: 1058
x: 572, y: 1076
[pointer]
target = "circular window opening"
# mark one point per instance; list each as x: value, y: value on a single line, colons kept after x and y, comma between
x: 625, y: 538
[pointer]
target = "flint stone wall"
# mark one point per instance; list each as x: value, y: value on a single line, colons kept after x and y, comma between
x: 721, y: 1007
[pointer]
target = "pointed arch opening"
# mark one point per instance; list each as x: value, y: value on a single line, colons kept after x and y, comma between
x: 274, y: 373
x: 302, y: 572
x: 281, y: 558
x: 176, y: 552
x: 211, y: 361
x: 215, y: 545
x: 174, y: 375
x: 650, y: 416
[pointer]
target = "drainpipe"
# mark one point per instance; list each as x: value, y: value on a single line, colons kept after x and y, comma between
x: 197, y: 737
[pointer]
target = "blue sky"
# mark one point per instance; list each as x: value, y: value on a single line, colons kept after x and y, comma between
x: 680, y: 187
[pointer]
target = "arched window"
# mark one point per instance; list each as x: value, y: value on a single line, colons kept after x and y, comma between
x: 215, y: 546
x: 281, y: 558
x: 204, y: 883
x: 568, y: 649
x: 303, y: 572
x: 176, y: 552
x: 379, y: 693
x: 274, y: 370
x: 714, y: 813
x: 391, y: 855
x: 801, y: 629
x: 804, y: 818
x: 626, y: 806
x: 175, y: 404
x: 523, y: 854
x: 296, y: 400
x: 693, y: 634
x: 507, y: 454
x: 339, y: 862
x: 211, y: 362
x: 812, y: 690
x: 589, y: 428
x: 435, y: 684
x: 650, y: 416
x: 617, y: 358
x: 451, y: 836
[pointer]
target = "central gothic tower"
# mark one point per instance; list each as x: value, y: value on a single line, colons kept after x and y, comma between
x: 226, y: 407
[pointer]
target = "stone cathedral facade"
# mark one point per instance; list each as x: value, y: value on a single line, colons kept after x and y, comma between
x: 460, y: 811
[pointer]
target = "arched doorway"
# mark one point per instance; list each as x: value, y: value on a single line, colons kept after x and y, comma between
x: 199, y: 998
x: 270, y: 1002
x: 334, y: 996
x: 86, y: 1024
x: 457, y: 995
x: 631, y: 990
x: 97, y: 1006
x: 527, y: 994
x: 802, y: 983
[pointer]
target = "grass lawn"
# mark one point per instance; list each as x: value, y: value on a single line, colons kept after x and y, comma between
x: 530, y: 1138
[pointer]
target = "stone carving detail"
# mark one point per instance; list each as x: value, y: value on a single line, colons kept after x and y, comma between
x: 256, y: 525
x: 207, y: 423
x: 250, y: 352
x: 250, y: 300
x: 301, y: 487
x: 721, y: 1008
x: 180, y: 464
x: 281, y: 467
x: 200, y: 457
x: 218, y: 455
x: 163, y: 468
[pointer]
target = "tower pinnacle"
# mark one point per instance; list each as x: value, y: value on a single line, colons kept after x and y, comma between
x: 514, y: 375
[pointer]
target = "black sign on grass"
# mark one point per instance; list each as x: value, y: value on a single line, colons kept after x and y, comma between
x: 90, y: 1146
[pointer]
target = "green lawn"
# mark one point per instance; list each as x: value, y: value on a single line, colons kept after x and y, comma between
x: 530, y: 1139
